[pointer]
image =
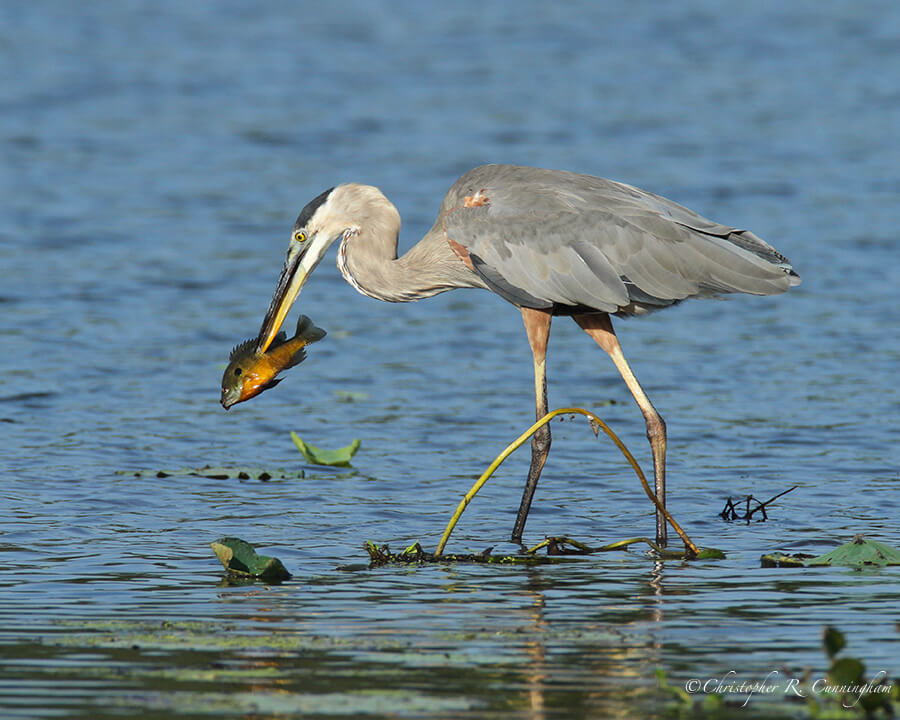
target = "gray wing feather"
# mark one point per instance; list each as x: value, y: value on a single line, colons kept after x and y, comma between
x: 577, y: 240
x: 538, y: 261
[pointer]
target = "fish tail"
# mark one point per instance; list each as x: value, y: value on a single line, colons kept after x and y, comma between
x: 307, y: 331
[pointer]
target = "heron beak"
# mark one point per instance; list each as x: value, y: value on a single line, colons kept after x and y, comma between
x: 301, y: 260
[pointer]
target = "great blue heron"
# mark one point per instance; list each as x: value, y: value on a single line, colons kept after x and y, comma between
x: 550, y: 242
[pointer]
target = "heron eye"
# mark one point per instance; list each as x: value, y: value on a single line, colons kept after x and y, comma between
x: 237, y: 371
x: 300, y: 237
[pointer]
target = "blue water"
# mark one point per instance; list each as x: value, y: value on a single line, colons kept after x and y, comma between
x: 155, y: 157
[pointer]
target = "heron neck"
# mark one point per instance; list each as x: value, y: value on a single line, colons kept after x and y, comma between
x: 368, y: 261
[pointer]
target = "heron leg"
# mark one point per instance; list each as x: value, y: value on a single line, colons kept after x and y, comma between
x: 599, y: 327
x: 537, y: 327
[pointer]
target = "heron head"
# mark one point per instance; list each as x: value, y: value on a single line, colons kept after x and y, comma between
x: 317, y: 226
x: 338, y: 212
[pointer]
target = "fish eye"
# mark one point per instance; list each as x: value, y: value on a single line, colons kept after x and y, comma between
x: 300, y: 236
x: 237, y: 371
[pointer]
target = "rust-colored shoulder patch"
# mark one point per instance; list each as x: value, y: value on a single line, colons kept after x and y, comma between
x: 461, y: 253
x: 477, y: 200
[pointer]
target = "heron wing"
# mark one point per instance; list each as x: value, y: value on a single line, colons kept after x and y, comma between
x: 548, y: 237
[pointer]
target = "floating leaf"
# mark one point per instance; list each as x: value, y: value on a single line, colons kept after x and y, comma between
x: 240, y: 558
x: 859, y: 552
x: 220, y: 472
x: 710, y: 554
x: 340, y: 457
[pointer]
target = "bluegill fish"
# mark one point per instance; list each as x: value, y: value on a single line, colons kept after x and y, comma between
x: 249, y: 372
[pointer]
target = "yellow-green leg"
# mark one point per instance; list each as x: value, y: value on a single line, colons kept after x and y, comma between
x: 599, y: 326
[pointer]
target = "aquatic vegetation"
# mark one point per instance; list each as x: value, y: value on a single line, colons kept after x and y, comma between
x: 240, y: 558
x: 730, y: 512
x: 220, y: 472
x: 556, y: 546
x: 858, y: 553
x: 316, y: 456
x: 559, y: 549
x: 380, y: 555
x: 843, y: 692
x: 596, y: 424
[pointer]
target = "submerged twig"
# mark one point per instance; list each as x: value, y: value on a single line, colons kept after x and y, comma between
x: 596, y: 422
x: 730, y: 512
x: 558, y: 546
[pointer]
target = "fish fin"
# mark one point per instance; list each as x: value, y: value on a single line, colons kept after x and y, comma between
x: 297, y: 358
x: 307, y: 331
x: 279, y: 339
x: 269, y: 385
x: 248, y: 347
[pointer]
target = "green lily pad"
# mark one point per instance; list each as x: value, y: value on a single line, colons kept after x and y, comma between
x: 710, y: 554
x: 220, y: 472
x: 857, y: 553
x: 240, y: 558
x: 315, y: 456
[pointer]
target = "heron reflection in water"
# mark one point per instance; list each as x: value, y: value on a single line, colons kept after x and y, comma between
x: 551, y: 243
